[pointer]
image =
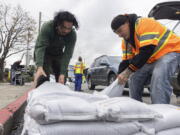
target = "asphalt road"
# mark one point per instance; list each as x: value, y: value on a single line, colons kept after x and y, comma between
x: 146, y: 95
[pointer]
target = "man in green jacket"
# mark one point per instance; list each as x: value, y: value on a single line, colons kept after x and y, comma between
x: 54, y: 47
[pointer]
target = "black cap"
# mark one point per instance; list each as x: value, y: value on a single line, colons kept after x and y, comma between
x: 118, y: 21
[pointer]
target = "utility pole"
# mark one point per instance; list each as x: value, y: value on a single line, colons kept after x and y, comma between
x: 27, y: 50
x: 39, y: 22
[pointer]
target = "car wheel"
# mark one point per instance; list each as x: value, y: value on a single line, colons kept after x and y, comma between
x: 90, y: 85
x: 111, y: 78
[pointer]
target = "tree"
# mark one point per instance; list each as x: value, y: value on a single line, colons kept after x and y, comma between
x: 17, y: 29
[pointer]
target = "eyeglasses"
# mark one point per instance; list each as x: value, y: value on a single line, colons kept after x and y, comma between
x: 65, y: 28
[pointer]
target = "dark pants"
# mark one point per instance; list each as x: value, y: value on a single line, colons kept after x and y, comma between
x: 78, y: 82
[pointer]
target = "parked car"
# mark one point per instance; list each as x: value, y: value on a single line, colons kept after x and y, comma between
x: 71, y: 77
x: 171, y: 11
x: 103, y: 71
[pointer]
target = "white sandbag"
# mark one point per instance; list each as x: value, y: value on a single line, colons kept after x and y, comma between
x: 140, y: 133
x: 122, y: 109
x: 30, y: 126
x: 45, y: 103
x: 66, y: 108
x: 172, y: 131
x: 50, y: 89
x: 1, y: 129
x: 113, y: 90
x: 81, y: 128
x: 171, y: 117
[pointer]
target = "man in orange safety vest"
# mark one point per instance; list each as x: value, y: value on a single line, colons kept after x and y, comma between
x: 150, y: 52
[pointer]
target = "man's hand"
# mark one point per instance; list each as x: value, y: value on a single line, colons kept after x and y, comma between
x: 124, y: 76
x: 38, y: 73
x: 61, y: 79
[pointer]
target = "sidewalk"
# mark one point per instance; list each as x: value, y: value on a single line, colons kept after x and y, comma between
x: 12, y: 104
x: 9, y: 93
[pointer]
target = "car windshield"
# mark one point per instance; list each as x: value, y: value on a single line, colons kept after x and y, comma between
x: 115, y: 59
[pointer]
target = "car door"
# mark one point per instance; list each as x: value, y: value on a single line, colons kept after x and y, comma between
x: 94, y: 71
x: 98, y: 66
x: 103, y: 70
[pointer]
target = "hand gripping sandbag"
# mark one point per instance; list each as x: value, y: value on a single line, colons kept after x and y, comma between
x: 113, y: 90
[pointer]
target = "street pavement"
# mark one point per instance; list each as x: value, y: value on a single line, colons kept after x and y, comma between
x: 146, y: 95
x: 9, y: 93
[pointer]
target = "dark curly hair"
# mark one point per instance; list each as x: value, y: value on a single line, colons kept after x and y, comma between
x: 62, y: 16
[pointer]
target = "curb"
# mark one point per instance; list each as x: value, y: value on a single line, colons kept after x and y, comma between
x: 9, y: 115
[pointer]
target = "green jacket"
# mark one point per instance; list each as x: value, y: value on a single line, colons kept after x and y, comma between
x: 52, y: 44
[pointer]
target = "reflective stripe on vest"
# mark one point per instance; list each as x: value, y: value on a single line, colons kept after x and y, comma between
x: 162, y: 41
x: 148, y: 36
x: 154, y: 35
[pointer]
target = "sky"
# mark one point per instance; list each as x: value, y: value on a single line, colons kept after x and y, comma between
x: 94, y: 37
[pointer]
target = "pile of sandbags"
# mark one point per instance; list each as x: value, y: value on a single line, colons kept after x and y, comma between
x: 54, y: 109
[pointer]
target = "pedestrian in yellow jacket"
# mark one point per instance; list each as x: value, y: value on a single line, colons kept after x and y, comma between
x: 78, y: 70
x: 150, y: 52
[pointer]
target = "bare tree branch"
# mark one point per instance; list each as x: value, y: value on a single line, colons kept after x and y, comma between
x: 15, y: 53
x: 17, y: 29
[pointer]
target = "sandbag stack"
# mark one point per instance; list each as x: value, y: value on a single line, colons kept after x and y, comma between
x: 54, y: 109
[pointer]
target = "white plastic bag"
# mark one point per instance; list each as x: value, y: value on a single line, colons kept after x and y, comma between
x: 113, y: 90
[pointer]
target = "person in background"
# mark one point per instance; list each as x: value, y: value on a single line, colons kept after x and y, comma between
x: 150, y: 52
x: 78, y: 70
x: 54, y: 47
x: 16, y: 66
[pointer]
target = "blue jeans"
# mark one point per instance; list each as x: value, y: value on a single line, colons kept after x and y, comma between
x: 78, y: 82
x: 159, y: 73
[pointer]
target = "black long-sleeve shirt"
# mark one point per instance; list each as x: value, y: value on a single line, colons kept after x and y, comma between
x: 139, y: 60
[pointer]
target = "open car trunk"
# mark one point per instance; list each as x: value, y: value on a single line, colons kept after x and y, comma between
x: 166, y: 10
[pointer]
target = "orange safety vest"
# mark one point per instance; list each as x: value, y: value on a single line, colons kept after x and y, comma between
x: 79, y: 67
x: 150, y: 32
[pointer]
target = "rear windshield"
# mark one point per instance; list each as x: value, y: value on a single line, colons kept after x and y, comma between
x: 171, y: 24
x: 115, y: 59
